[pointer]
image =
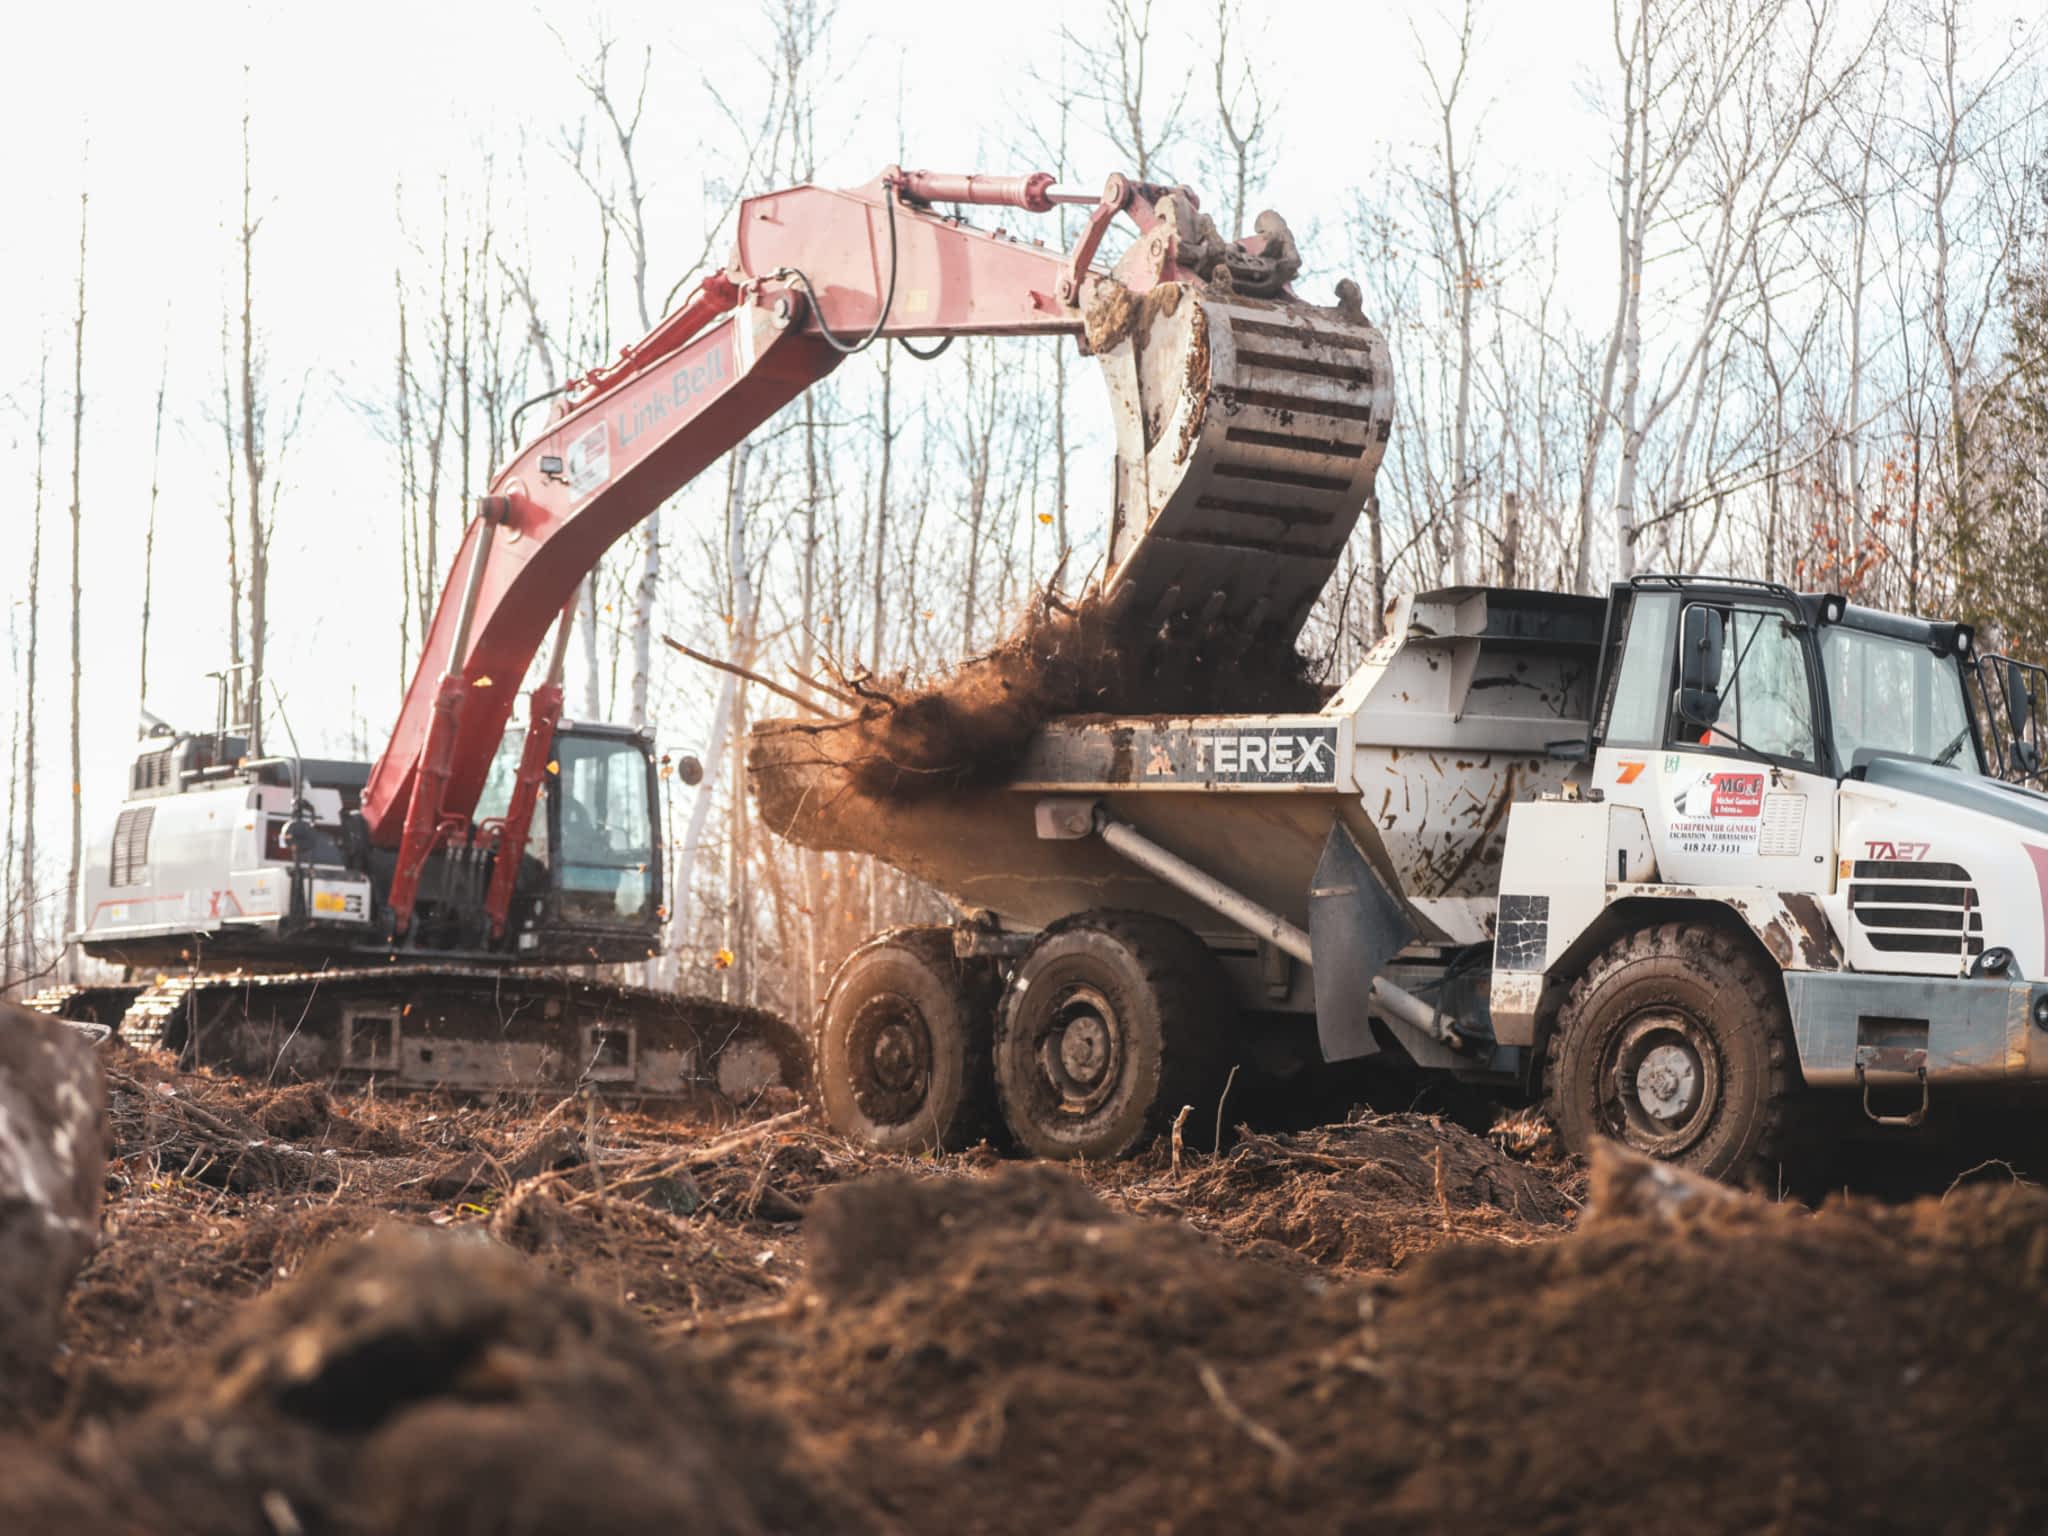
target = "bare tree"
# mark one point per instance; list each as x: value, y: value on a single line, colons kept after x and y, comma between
x: 77, y: 602
x: 1967, y: 144
x: 1244, y: 116
x: 1459, y: 223
x: 28, y: 884
x: 1120, y: 81
x: 156, y: 454
x: 231, y: 498
x: 724, y: 717
x: 261, y: 445
x: 623, y: 209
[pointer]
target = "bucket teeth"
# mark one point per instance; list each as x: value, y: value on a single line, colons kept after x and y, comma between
x: 1248, y: 435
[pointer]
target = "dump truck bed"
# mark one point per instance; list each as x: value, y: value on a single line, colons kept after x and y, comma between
x: 1452, y: 718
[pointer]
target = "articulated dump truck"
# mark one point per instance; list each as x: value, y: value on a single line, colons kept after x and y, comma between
x: 1697, y: 863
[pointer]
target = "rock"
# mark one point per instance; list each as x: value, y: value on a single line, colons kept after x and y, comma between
x: 1627, y: 1184
x: 53, y: 1152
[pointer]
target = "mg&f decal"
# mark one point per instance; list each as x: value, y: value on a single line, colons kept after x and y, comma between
x: 1717, y: 812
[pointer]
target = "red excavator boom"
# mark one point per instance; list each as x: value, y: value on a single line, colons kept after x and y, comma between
x: 815, y: 274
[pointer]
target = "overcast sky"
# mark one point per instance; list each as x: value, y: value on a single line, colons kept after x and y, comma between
x: 142, y: 103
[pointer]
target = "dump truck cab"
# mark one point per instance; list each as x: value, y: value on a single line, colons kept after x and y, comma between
x: 1786, y: 813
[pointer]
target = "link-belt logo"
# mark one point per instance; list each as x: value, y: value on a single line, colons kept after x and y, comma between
x: 672, y: 393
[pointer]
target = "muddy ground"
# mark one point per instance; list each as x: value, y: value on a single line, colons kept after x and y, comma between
x: 317, y: 1311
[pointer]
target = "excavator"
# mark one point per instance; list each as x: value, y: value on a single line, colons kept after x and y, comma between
x: 434, y: 918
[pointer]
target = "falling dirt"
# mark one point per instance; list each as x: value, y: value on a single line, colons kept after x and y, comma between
x: 318, y: 1310
x: 967, y: 729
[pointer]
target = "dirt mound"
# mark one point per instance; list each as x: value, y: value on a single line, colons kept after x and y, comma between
x: 759, y: 1327
x: 221, y: 1189
x: 970, y: 726
x: 1008, y: 1355
x: 1360, y: 1198
x: 642, y: 1256
x: 426, y: 1382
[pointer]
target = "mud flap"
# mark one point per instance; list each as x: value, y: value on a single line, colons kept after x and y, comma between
x: 1355, y: 926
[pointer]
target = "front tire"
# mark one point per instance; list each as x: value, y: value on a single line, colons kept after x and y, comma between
x: 1113, y: 1021
x: 903, y: 1045
x: 1676, y: 1043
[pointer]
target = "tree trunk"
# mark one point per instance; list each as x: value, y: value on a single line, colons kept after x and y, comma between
x: 722, y: 717
x: 156, y: 454
x: 77, y: 591
x: 807, y: 655
x: 253, y: 469
x: 227, y: 435
x: 586, y: 625
x: 875, y: 651
x: 29, y: 882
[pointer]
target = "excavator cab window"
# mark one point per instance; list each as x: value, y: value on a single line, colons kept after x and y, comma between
x: 495, y: 799
x: 601, y: 820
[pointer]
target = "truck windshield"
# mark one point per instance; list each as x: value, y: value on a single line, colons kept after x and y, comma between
x: 606, y: 865
x: 1895, y: 697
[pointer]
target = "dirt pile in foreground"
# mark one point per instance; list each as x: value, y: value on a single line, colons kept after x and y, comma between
x: 220, y: 1189
x: 968, y: 728
x: 428, y: 1382
x: 1009, y: 1356
x: 321, y: 1311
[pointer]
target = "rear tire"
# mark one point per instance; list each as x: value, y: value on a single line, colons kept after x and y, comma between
x: 903, y: 1045
x: 1113, y: 1021
x: 1675, y: 1042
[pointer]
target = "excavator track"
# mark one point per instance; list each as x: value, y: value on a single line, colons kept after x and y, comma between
x: 461, y: 1028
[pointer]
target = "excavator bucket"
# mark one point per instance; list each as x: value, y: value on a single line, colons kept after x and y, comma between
x: 1248, y: 433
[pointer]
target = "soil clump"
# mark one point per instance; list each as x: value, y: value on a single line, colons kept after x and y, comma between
x: 429, y: 1382
x: 968, y: 727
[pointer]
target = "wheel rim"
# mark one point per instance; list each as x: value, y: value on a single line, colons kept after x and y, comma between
x: 889, y: 1059
x: 1081, y: 1053
x: 1660, y: 1083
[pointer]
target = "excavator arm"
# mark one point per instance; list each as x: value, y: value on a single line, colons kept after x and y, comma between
x: 816, y: 274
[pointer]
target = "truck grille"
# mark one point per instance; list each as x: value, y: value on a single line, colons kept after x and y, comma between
x: 1916, y: 907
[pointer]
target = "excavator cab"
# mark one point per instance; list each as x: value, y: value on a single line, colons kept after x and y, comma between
x: 591, y: 887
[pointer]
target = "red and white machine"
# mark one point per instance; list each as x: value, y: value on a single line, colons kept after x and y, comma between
x: 389, y: 917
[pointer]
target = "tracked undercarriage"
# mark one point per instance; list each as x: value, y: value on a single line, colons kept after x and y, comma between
x: 463, y: 1028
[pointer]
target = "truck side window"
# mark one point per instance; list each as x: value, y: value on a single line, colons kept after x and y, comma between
x: 1643, y: 689
x: 1765, y: 687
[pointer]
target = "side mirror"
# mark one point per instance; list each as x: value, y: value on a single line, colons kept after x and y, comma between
x: 1702, y: 638
x: 2019, y: 705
